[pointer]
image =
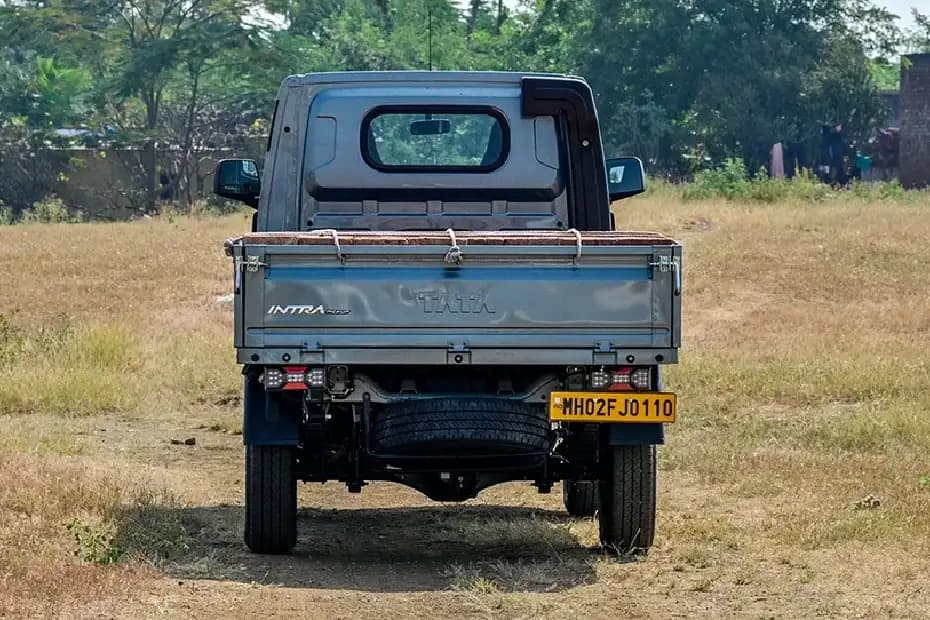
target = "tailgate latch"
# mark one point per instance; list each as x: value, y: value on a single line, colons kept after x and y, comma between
x: 251, y: 264
x: 254, y: 263
x: 604, y: 353
x: 664, y: 264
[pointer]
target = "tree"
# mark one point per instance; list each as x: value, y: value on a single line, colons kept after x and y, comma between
x: 724, y: 78
x: 158, y: 35
x: 39, y: 97
x: 676, y: 81
x: 918, y: 40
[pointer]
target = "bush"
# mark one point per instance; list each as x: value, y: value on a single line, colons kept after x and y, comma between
x: 887, y: 191
x: 891, y: 190
x: 6, y: 215
x: 94, y: 544
x: 728, y: 181
x: 214, y: 205
x: 49, y: 210
x: 731, y: 183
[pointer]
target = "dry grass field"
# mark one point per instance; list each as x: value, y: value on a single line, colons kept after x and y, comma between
x: 796, y: 484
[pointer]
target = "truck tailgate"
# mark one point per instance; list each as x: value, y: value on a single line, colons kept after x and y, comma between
x: 497, y: 298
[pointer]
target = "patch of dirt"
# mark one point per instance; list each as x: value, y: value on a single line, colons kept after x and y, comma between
x: 512, y: 553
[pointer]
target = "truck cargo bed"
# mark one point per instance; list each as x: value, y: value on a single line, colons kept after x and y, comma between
x: 442, y: 297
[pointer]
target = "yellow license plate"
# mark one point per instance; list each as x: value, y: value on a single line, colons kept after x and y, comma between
x: 653, y: 407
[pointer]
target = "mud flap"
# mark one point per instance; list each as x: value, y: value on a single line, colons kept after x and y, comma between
x: 636, y: 434
x: 265, y: 421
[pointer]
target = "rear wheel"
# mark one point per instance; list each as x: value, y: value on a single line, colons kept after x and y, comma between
x: 580, y: 497
x: 627, y: 488
x: 270, y: 499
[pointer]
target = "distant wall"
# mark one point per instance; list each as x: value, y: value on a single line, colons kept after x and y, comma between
x: 108, y: 184
x: 915, y: 121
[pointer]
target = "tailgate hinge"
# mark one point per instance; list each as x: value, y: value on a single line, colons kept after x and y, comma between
x: 665, y: 264
x: 458, y: 353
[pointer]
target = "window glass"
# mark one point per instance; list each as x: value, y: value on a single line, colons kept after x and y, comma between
x: 434, y: 139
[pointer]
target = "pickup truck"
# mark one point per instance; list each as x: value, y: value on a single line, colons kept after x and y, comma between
x: 433, y: 294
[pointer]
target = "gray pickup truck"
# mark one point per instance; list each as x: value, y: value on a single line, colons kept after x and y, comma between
x: 433, y: 293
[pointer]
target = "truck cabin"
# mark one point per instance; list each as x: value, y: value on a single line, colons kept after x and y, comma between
x: 431, y: 151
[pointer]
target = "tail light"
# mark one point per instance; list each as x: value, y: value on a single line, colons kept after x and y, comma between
x: 600, y: 379
x: 641, y: 378
x: 293, y: 378
x: 315, y: 378
x: 274, y: 378
x: 622, y: 379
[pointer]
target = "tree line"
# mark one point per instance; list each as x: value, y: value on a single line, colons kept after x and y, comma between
x: 684, y: 84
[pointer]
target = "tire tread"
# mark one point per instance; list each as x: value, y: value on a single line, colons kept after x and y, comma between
x: 270, y: 499
x: 628, y: 498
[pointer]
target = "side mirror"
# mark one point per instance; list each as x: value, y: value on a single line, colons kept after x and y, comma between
x: 237, y: 179
x: 625, y: 177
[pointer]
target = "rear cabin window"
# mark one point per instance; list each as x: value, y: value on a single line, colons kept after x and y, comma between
x: 435, y: 140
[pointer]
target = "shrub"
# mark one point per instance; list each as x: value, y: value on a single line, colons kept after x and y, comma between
x: 806, y: 187
x: 891, y: 190
x: 729, y: 181
x: 6, y: 215
x: 49, y: 210
x: 214, y: 205
x: 94, y: 544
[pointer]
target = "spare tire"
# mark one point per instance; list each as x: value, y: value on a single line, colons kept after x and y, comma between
x: 461, y: 426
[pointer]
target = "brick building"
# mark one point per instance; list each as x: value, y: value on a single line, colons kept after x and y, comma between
x: 915, y: 121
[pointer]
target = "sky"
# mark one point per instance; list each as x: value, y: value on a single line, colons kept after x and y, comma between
x: 902, y: 8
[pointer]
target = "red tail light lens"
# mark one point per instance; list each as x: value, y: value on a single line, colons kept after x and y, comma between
x: 620, y: 380
x: 295, y: 378
x: 287, y: 378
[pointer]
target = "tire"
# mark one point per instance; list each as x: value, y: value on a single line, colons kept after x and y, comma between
x: 461, y: 426
x: 627, y: 515
x: 580, y: 497
x: 270, y: 499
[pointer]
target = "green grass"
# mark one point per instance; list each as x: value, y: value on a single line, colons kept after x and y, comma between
x: 68, y: 370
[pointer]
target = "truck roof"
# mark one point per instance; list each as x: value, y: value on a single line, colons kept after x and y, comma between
x: 345, y: 77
